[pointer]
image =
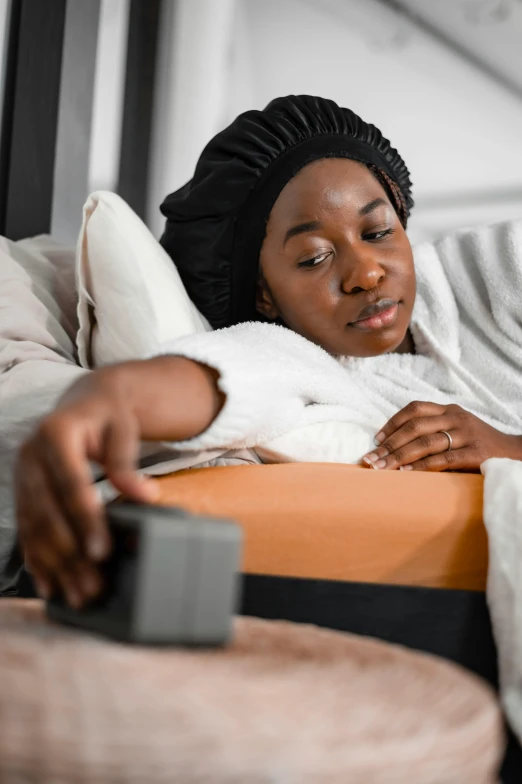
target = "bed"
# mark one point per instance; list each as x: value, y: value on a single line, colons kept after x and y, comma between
x: 396, y: 556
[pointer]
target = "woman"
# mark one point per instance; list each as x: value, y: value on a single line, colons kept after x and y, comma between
x: 295, y: 219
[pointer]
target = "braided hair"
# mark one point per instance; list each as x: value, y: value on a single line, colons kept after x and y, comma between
x: 393, y: 192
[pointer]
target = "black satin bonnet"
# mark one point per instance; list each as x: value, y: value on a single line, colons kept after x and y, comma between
x: 216, y: 222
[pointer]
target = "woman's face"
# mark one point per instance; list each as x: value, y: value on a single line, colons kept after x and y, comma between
x: 336, y: 264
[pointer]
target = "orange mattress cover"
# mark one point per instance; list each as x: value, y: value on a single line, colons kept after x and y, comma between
x: 339, y: 522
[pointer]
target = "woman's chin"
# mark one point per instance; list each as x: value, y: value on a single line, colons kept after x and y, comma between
x: 385, y: 341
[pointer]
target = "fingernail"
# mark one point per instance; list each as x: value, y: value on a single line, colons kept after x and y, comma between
x: 379, y: 438
x: 97, y: 547
x: 406, y: 468
x: 368, y: 459
x: 378, y: 464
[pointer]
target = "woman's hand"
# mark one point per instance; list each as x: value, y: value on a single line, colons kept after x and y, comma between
x: 415, y: 439
x: 60, y: 516
x: 102, y: 418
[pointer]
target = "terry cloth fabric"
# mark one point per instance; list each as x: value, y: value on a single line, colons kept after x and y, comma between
x: 467, y: 329
x: 216, y: 223
x: 503, y: 517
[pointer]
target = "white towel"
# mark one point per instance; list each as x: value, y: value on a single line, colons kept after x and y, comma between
x: 503, y: 519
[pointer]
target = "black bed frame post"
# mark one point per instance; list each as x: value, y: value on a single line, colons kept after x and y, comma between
x: 48, y: 92
x: 30, y: 114
x: 144, y: 16
x: 6, y: 110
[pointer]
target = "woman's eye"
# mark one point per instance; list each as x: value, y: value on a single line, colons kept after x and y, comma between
x: 377, y: 235
x: 315, y: 261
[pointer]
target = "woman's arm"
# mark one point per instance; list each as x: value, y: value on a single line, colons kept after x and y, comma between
x: 101, y: 418
x: 264, y: 380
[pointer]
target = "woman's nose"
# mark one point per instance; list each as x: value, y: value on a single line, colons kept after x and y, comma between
x: 361, y: 273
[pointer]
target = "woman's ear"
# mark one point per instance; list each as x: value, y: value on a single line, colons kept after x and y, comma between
x: 265, y: 303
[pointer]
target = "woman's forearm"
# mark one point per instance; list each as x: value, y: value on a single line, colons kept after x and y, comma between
x: 173, y: 398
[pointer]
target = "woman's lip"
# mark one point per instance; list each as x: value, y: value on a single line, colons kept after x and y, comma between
x: 380, y: 321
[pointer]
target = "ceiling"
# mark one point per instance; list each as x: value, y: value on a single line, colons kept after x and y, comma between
x: 488, y: 32
x: 485, y: 33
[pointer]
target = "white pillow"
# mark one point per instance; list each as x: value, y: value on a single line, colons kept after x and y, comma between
x: 130, y: 296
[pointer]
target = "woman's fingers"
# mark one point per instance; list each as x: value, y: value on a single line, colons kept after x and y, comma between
x: 44, y: 584
x: 58, y: 509
x: 456, y: 460
x: 414, y: 440
x: 51, y: 549
x: 80, y: 582
x: 121, y: 452
x: 431, y: 444
x: 418, y: 431
x: 64, y: 453
x: 413, y: 412
x: 77, y: 580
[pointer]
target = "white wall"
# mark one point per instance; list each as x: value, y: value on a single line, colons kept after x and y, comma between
x: 71, y: 184
x: 193, y: 83
x: 458, y: 132
x: 109, y: 90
